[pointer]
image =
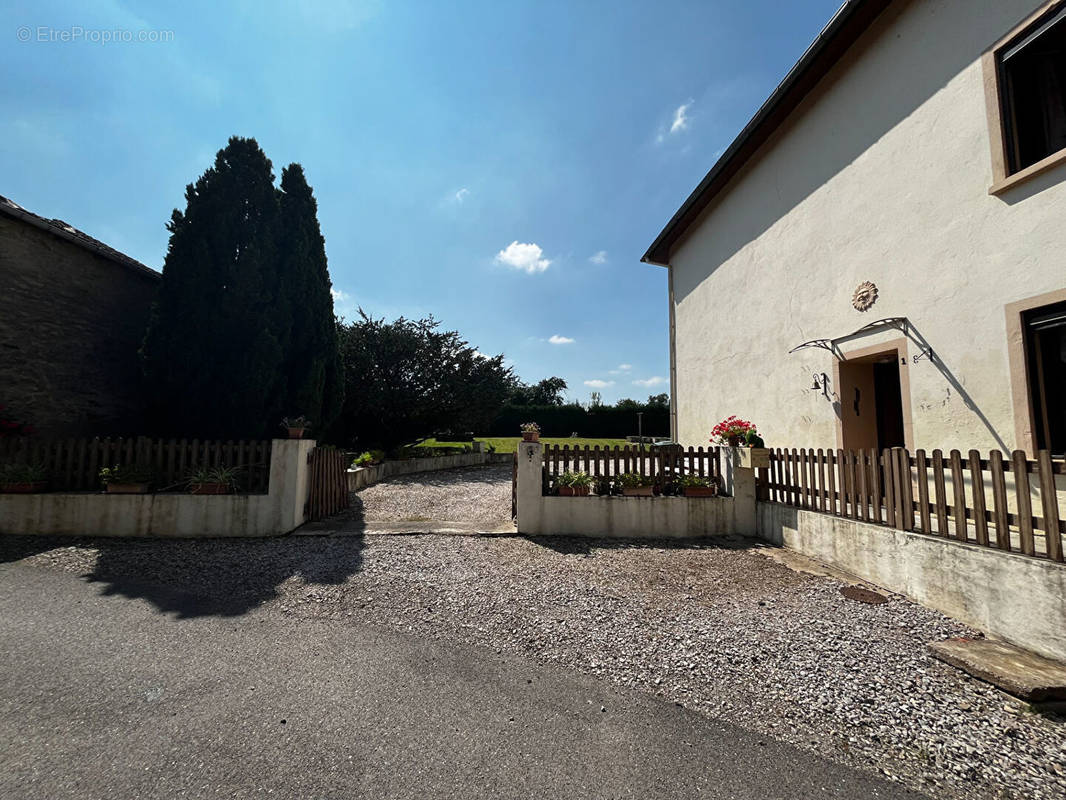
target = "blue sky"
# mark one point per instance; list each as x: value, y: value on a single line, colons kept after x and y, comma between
x: 500, y: 165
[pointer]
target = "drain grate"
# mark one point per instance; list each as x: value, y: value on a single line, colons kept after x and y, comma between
x: 863, y: 595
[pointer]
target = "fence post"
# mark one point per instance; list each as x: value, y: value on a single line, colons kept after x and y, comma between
x: 530, y: 493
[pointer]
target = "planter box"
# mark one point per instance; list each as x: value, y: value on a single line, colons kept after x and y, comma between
x: 638, y: 491
x: 701, y: 491
x: 126, y: 488
x: 296, y: 433
x: 573, y: 491
x: 530, y: 437
x: 752, y: 457
x: 209, y: 488
x: 25, y: 487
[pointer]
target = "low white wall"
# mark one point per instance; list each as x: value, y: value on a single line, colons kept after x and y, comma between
x: 361, y: 477
x: 279, y: 511
x: 1017, y: 598
x: 633, y: 517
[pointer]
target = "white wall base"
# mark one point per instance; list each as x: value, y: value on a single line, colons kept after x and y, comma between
x: 1017, y: 598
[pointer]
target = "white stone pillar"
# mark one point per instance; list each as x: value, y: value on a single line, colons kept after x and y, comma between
x: 289, y: 482
x: 739, y: 483
x: 530, y: 487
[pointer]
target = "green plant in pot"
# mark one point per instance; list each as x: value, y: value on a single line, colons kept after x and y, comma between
x: 23, y: 478
x: 635, y: 485
x: 573, y: 484
x: 753, y: 439
x: 213, y: 480
x: 296, y: 426
x: 698, y: 486
x: 127, y: 478
x: 530, y: 432
x: 368, y: 458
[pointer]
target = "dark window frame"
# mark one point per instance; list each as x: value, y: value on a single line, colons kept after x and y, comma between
x: 1053, y: 21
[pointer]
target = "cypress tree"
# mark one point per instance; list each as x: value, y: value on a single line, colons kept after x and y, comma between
x: 312, y: 366
x: 212, y: 355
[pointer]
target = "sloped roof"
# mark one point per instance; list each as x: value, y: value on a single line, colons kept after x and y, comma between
x: 67, y: 231
x: 846, y: 26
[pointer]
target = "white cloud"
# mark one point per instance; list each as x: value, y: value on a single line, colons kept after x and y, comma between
x: 557, y: 339
x: 528, y: 257
x: 479, y: 354
x: 598, y: 384
x: 621, y: 368
x: 461, y: 195
x: 599, y: 258
x: 653, y: 381
x: 339, y: 296
x: 680, y: 117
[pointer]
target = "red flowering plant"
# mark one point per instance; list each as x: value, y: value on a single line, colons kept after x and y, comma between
x: 733, y: 431
x: 9, y: 427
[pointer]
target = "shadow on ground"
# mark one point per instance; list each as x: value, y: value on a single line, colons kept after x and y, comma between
x: 201, y: 577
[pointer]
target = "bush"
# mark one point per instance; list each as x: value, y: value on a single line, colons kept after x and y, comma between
x: 23, y: 473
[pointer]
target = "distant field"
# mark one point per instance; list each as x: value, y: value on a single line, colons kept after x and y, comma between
x: 508, y: 444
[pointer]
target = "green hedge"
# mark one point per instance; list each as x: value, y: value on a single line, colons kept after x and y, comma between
x: 598, y: 422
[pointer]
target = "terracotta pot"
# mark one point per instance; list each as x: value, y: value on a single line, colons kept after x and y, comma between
x: 296, y: 433
x: 573, y: 491
x: 530, y: 436
x: 735, y: 441
x: 24, y: 487
x: 209, y: 488
x: 127, y: 488
x: 638, y: 491
x: 701, y: 491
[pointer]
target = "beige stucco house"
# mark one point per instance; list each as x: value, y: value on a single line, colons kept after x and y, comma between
x: 918, y: 146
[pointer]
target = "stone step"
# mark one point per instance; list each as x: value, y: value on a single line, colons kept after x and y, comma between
x: 1020, y: 672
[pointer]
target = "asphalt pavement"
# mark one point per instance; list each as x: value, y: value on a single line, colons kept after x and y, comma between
x: 103, y: 696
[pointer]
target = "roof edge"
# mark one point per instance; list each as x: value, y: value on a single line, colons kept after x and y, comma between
x: 65, y: 231
x: 850, y: 21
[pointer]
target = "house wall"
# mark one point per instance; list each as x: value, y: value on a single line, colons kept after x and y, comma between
x: 71, y: 323
x: 883, y: 174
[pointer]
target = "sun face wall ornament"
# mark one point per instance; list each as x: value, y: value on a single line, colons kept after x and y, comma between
x: 865, y: 296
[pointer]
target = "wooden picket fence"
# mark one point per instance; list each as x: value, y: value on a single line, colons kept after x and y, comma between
x: 74, y: 464
x: 989, y: 501
x: 654, y: 462
x: 327, y: 492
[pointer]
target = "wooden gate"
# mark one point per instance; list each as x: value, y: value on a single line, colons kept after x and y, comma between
x: 327, y: 491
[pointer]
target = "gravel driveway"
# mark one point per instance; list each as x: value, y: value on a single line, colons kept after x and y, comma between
x: 472, y: 498
x: 728, y: 632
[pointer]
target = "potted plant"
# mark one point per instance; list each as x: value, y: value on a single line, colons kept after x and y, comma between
x: 698, y: 486
x: 530, y: 432
x: 213, y: 480
x: 127, y: 479
x: 296, y: 426
x: 634, y: 485
x: 23, y: 478
x: 732, y: 431
x: 573, y: 484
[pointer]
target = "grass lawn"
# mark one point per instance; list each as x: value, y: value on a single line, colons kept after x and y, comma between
x: 508, y: 444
